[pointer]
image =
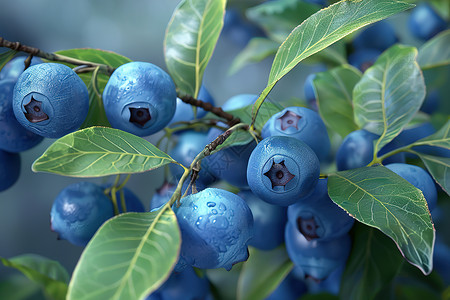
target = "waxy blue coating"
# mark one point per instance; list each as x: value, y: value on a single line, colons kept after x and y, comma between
x: 268, y: 222
x: 332, y: 221
x: 62, y: 93
x: 356, y: 150
x: 132, y: 201
x: 13, y: 136
x: 9, y: 169
x: 79, y: 210
x: 424, y: 22
x: 189, y: 144
x: 419, y: 178
x: 239, y: 101
x: 310, y: 129
x: 15, y: 67
x: 139, y: 85
x: 363, y: 59
x: 300, y: 161
x: 380, y: 36
x: 216, y: 226
x: 185, y: 285
x: 317, y: 259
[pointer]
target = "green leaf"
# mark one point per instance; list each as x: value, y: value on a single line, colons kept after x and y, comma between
x: 334, y: 97
x: 5, y: 57
x: 435, y: 52
x: 319, y: 296
x: 263, y: 272
x: 100, y: 151
x: 96, y: 56
x: 323, y: 29
x: 256, y: 50
x: 96, y: 114
x: 439, y: 139
x: 237, y: 138
x: 130, y: 256
x: 278, y: 18
x: 389, y: 94
x: 18, y: 287
x: 373, y: 263
x: 439, y: 168
x: 442, y: 8
x: 378, y: 197
x: 334, y: 55
x: 47, y: 273
x: 190, y: 40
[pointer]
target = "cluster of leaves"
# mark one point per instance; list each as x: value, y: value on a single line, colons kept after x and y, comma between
x: 132, y: 254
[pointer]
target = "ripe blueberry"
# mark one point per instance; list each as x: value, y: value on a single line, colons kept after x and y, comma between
x: 139, y: 98
x: 363, y: 59
x: 132, y: 202
x: 281, y: 170
x: 9, y: 169
x: 50, y: 100
x: 79, y: 210
x: 380, y: 36
x: 15, y: 67
x: 424, y: 22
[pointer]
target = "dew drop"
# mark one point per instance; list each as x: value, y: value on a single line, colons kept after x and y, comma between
x: 211, y: 204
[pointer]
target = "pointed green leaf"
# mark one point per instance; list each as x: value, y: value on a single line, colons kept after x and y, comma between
x: 373, y: 263
x: 96, y: 114
x: 100, y: 151
x: 439, y: 168
x: 97, y: 56
x: 190, y: 40
x: 440, y: 139
x: 262, y: 273
x: 334, y: 55
x: 256, y: 50
x: 435, y: 52
x: 130, y: 256
x: 237, y: 138
x: 378, y: 197
x: 323, y: 29
x: 47, y: 273
x: 389, y: 94
x: 5, y: 57
x: 278, y: 18
x: 334, y: 97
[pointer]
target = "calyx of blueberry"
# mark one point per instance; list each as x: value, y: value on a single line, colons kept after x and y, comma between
x: 307, y: 227
x: 279, y: 174
x: 139, y: 116
x: 289, y: 119
x: 34, y: 112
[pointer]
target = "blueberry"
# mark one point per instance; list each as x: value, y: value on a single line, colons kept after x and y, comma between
x: 268, y: 222
x: 139, y: 98
x: 132, y: 201
x: 166, y: 190
x: 419, y: 178
x: 378, y: 36
x: 189, y: 144
x: 290, y: 288
x: 15, y: 67
x: 79, y: 210
x: 317, y: 217
x: 356, y: 150
x: 309, y: 92
x: 9, y: 169
x: 363, y: 59
x: 303, y: 124
x: 431, y: 103
x: 50, y: 100
x: 239, y: 101
x: 424, y: 22
x: 281, y: 170
x: 13, y: 136
x: 216, y: 226
x: 318, y: 259
x: 238, y: 30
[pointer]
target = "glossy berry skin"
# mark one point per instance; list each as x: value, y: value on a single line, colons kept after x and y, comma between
x: 356, y: 150
x: 9, y: 169
x: 185, y: 285
x: 184, y: 111
x: 419, y: 178
x: 216, y: 226
x: 13, y: 136
x: 79, y: 210
x: 363, y: 59
x: 15, y: 67
x: 268, y: 222
x: 303, y: 124
x: 132, y: 201
x: 139, y: 98
x: 281, y: 170
x: 424, y: 22
x: 317, y: 259
x: 380, y: 36
x: 189, y: 144
x: 317, y: 217
x: 50, y: 100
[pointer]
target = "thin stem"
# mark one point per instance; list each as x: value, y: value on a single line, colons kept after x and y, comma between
x: 122, y: 201
x: 378, y: 160
x: 54, y: 57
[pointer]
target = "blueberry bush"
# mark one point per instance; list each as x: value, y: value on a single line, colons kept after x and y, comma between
x: 335, y: 197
